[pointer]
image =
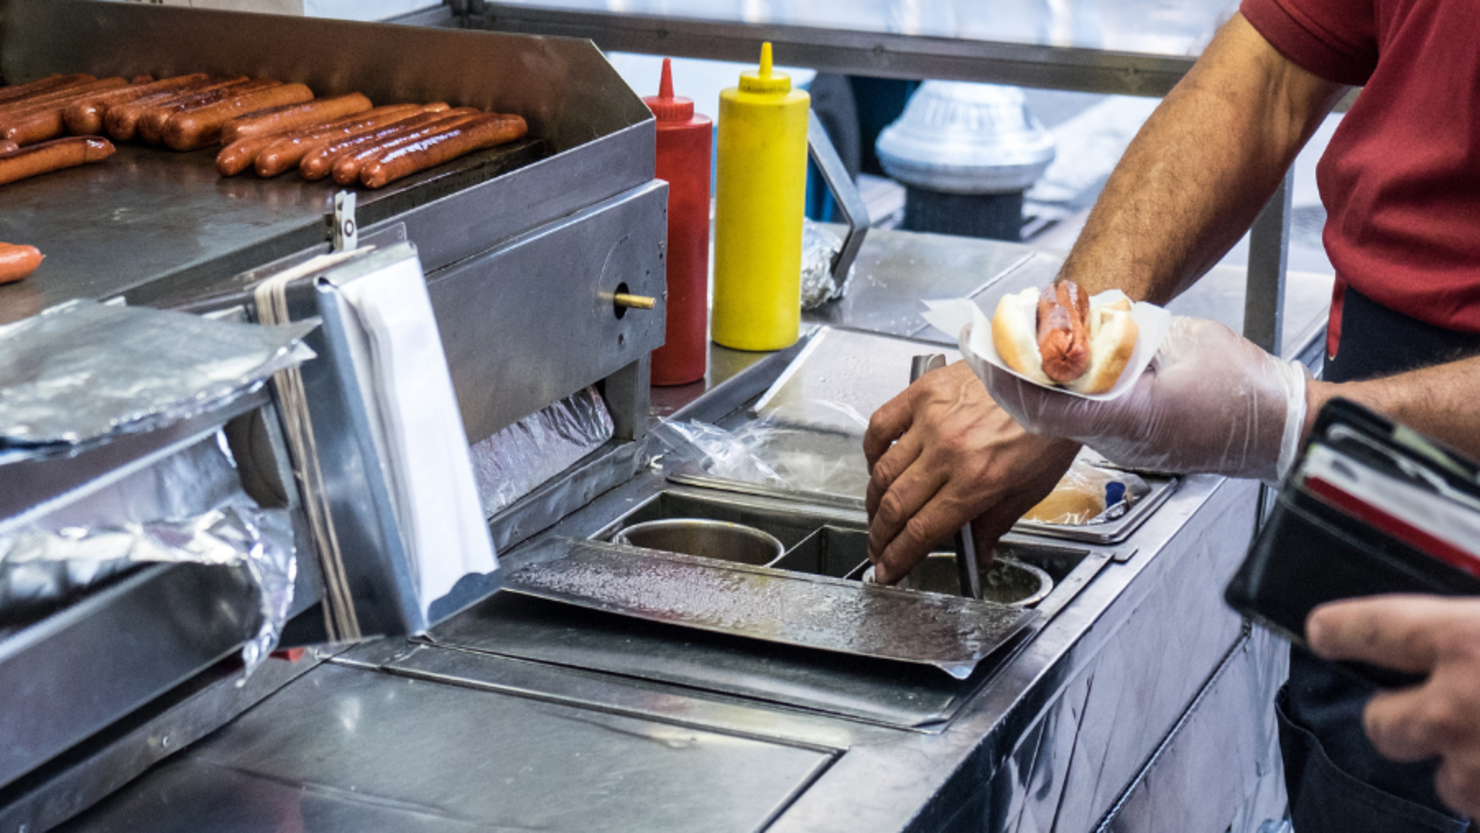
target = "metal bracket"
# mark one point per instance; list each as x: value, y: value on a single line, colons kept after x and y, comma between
x: 844, y: 190
x: 1264, y: 296
x: 346, y: 230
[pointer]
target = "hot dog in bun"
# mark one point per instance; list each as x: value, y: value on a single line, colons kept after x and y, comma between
x: 1058, y: 336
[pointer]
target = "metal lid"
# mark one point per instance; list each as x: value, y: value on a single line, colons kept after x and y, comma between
x: 965, y: 138
x: 665, y: 105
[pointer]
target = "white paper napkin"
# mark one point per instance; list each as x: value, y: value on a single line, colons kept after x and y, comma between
x: 955, y: 316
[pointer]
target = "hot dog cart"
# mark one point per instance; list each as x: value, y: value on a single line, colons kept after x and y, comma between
x: 504, y: 708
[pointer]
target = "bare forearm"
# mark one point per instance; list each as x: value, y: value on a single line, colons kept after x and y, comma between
x: 1437, y: 401
x: 1200, y: 169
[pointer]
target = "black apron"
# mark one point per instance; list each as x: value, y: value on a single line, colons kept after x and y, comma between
x: 1336, y: 780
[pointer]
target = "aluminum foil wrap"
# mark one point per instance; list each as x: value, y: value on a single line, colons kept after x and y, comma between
x: 38, y: 566
x: 513, y: 462
x: 82, y: 371
x: 819, y: 247
x: 186, y: 507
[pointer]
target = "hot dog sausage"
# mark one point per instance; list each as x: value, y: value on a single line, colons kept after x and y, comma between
x: 242, y: 154
x: 45, y: 96
x: 152, y: 123
x: 479, y: 133
x: 53, y: 156
x: 16, y: 92
x: 188, y: 131
x: 294, y: 116
x: 246, y: 152
x: 42, y: 120
x: 1063, y: 331
x: 285, y: 153
x: 320, y: 163
x: 17, y: 262
x: 346, y: 168
x: 122, y: 121
x: 85, y: 117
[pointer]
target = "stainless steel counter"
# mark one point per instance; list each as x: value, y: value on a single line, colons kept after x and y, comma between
x: 521, y: 714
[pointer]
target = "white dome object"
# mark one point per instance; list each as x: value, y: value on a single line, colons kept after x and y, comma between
x: 964, y: 138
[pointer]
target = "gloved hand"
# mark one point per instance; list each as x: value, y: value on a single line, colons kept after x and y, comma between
x: 1210, y: 402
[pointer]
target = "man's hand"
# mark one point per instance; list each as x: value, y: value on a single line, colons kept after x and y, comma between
x: 955, y: 458
x: 1426, y: 635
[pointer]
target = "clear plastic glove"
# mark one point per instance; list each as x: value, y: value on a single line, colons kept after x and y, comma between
x: 1211, y: 401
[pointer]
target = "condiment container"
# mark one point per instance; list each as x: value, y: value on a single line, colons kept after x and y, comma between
x: 760, y: 188
x: 685, y: 143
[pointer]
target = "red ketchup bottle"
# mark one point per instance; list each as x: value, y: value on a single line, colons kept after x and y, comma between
x: 684, y: 142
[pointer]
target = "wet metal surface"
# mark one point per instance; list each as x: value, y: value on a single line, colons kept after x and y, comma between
x: 346, y: 749
x: 950, y: 633
x: 887, y: 693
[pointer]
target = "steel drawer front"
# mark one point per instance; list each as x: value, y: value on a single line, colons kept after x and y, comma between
x: 535, y: 299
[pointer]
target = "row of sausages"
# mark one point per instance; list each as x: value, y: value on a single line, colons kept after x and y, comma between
x: 373, y: 147
x: 247, y: 115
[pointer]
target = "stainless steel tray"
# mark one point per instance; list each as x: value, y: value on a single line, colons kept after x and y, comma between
x: 1109, y: 532
x: 948, y: 632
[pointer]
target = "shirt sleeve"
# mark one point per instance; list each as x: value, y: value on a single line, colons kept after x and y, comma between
x: 1335, y: 39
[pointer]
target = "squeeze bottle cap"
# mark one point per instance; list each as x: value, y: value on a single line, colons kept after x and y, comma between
x: 765, y: 81
x: 665, y: 105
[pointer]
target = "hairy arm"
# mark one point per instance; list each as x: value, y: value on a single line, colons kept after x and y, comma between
x: 1201, y: 168
x: 942, y: 453
x: 1437, y: 401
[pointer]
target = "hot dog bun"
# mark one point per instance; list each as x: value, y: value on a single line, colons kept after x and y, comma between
x: 1112, y: 340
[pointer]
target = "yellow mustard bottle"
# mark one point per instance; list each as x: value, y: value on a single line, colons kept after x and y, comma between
x: 759, y: 193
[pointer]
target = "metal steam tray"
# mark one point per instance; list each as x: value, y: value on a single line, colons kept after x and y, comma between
x: 951, y: 633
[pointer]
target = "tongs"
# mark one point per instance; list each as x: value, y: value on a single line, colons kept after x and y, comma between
x: 968, y: 571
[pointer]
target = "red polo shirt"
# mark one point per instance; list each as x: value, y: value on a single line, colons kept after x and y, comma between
x: 1401, y: 177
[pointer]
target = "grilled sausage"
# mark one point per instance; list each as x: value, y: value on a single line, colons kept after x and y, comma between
x: 288, y: 150
x: 294, y: 117
x: 53, y: 156
x: 122, y: 121
x: 242, y: 154
x: 188, y: 131
x: 346, y: 168
x: 39, y: 122
x: 32, y: 104
x: 320, y: 163
x: 45, y: 95
x: 1063, y: 331
x: 152, y: 123
x: 477, y: 134
x: 16, y: 92
x: 85, y: 117
x: 17, y: 262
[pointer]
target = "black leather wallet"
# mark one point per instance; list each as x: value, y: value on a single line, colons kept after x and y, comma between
x: 1369, y: 507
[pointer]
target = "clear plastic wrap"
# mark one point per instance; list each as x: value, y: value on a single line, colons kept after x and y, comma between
x: 513, y: 462
x: 1088, y: 494
x: 82, y: 371
x: 39, y: 566
x: 773, y: 454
